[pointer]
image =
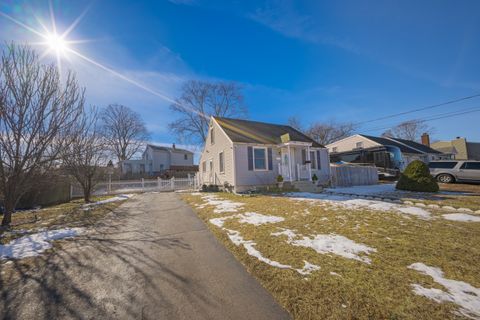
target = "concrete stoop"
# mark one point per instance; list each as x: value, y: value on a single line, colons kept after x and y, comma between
x: 307, y: 186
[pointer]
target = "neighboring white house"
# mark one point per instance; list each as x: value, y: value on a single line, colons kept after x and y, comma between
x: 156, y: 160
x: 389, y: 153
x: 247, y: 154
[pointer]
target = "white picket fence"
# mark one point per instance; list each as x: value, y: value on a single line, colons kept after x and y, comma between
x: 142, y: 185
x: 346, y: 176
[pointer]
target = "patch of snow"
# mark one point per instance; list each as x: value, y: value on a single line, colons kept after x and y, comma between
x: 258, y: 219
x: 461, y: 293
x: 219, y: 221
x: 336, y: 244
x: 307, y: 268
x: 36, y: 243
x: 120, y: 197
x: 285, y: 232
x: 353, y: 203
x: 461, y: 217
x: 334, y: 274
x: 249, y: 245
x: 221, y: 205
x: 374, y: 189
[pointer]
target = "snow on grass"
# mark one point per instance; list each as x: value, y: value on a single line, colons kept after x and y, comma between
x: 36, y: 243
x: 258, y: 219
x: 247, y: 217
x: 329, y: 243
x: 336, y: 244
x: 352, y: 203
x: 249, y: 245
x: 461, y: 217
x: 308, y: 268
x: 221, y: 205
x: 120, y: 197
x: 461, y: 293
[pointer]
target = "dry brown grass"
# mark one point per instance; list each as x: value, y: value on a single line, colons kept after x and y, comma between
x: 380, y: 290
x: 70, y: 214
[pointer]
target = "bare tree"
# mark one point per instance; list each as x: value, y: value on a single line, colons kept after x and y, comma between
x: 328, y: 132
x: 295, y: 123
x: 409, y: 130
x: 200, y: 100
x: 124, y: 131
x: 36, y: 115
x: 86, y: 153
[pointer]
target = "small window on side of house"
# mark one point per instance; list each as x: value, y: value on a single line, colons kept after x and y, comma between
x: 212, y: 136
x: 334, y: 149
x: 221, y: 162
x: 260, y: 158
x: 185, y: 156
x: 359, y: 144
x: 204, y: 166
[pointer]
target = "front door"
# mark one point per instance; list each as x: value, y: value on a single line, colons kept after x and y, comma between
x: 288, y: 172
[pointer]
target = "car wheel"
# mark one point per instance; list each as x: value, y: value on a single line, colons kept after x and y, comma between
x: 445, y: 178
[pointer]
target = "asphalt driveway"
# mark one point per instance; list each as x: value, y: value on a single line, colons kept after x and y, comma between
x: 152, y: 259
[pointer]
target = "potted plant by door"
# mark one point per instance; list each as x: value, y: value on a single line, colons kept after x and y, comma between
x: 280, y: 181
x: 314, y: 178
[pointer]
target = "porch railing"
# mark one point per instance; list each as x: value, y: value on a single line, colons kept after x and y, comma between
x: 303, y: 171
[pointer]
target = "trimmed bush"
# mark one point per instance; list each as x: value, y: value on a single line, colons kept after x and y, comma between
x: 417, y: 177
x: 279, y: 178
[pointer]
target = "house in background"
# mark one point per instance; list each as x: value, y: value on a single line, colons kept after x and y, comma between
x: 460, y: 148
x: 160, y: 160
x: 247, y: 154
x: 384, y: 152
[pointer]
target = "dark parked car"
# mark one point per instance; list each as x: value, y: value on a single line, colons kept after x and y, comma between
x: 449, y: 171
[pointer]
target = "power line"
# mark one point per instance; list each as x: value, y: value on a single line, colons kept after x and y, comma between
x: 420, y: 109
x: 440, y: 116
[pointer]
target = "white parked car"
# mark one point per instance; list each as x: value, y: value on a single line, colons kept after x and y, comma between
x: 449, y: 171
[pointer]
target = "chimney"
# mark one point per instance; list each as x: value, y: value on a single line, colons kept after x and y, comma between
x: 426, y: 139
x: 173, y: 146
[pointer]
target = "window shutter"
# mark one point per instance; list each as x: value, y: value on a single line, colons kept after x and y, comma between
x: 270, y: 160
x: 304, y: 156
x: 250, y: 158
x: 319, y: 163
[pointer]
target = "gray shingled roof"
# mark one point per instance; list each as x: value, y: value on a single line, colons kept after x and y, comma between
x: 247, y: 131
x: 405, y: 146
x: 168, y: 148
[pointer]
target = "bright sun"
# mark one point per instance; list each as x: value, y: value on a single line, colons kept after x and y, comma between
x: 56, y: 43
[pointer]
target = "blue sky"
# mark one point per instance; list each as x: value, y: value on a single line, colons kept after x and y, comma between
x: 318, y: 60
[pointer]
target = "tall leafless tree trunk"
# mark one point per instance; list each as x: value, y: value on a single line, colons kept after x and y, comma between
x: 200, y: 100
x: 124, y: 131
x: 36, y: 115
x: 86, y: 153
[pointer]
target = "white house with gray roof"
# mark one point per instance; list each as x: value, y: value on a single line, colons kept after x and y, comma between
x: 157, y: 160
x: 247, y: 154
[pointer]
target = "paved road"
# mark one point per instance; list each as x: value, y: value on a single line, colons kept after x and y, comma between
x: 152, y: 259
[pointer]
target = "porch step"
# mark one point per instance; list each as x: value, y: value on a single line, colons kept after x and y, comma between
x: 306, y: 186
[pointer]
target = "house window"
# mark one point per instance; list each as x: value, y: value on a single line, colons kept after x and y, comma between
x: 204, y: 166
x: 359, y: 144
x: 212, y: 136
x: 185, y: 156
x: 220, y: 162
x: 211, y: 166
x: 313, y: 160
x: 260, y: 158
x: 334, y: 149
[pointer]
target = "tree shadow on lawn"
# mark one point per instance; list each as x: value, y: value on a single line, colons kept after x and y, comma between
x: 116, y: 271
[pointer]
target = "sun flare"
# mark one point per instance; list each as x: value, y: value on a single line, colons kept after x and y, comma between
x: 56, y: 43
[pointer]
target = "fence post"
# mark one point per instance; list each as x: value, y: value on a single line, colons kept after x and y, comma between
x: 172, y: 183
x: 71, y: 191
x: 158, y: 183
x: 143, y: 183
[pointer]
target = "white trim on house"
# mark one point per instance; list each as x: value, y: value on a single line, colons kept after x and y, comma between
x: 265, y: 149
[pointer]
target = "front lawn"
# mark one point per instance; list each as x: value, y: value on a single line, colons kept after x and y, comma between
x: 334, y: 257
x: 67, y: 215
